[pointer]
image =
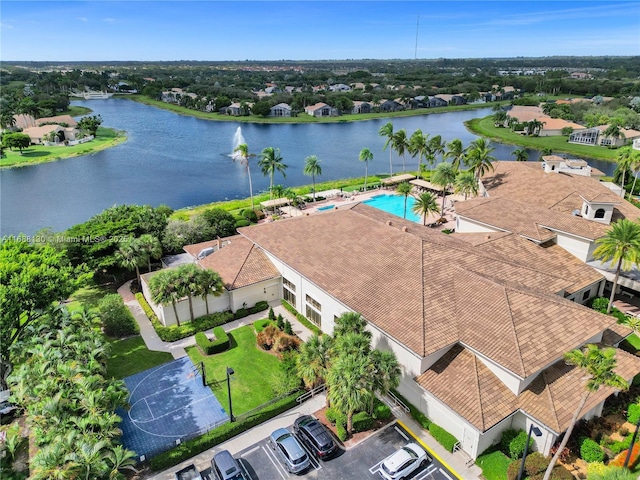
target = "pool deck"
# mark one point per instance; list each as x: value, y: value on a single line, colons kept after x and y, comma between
x: 348, y: 199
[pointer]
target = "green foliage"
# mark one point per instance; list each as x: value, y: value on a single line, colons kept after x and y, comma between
x: 335, y: 417
x: 260, y: 325
x: 600, y: 304
x: 250, y: 215
x: 260, y: 306
x: 444, y: 438
x: 633, y: 413
x: 341, y: 432
x: 90, y: 124
x: 16, y: 140
x: 417, y: 415
x: 240, y: 313
x: 362, y: 422
x: 518, y: 444
x: 507, y: 436
x: 494, y: 465
x: 301, y: 318
x: 288, y: 328
x: 210, y: 347
x: 381, y: 411
x: 242, y: 223
x: 617, y: 447
x: 280, y: 322
x: 116, y: 318
x: 190, y: 448
x: 272, y: 315
x: 590, y: 451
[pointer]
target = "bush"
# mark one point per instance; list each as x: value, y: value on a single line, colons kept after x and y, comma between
x: 518, y: 444
x: 444, y: 438
x: 241, y: 313
x: 260, y: 325
x: 210, y: 347
x: 600, y: 304
x: 633, y: 460
x: 272, y: 315
x: 301, y: 318
x: 505, y: 440
x: 362, y: 422
x: 590, y: 451
x: 117, y: 319
x: 535, y: 463
x: 335, y: 417
x: 633, y: 413
x: 341, y: 432
x: 280, y: 322
x: 250, y: 215
x: 286, y: 343
x: 267, y: 337
x: 242, y: 222
x: 288, y: 329
x: 259, y: 307
x: 381, y: 411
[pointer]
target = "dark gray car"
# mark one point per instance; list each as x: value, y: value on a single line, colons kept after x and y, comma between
x: 225, y: 467
x: 315, y: 436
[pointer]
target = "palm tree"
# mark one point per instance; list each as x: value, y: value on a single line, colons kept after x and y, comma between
x: 627, y: 162
x: 150, y: 246
x: 425, y: 205
x: 385, y: 373
x: 188, y: 285
x: 209, y: 283
x: 418, y: 146
x: 499, y: 118
x: 466, y: 183
x: 314, y: 359
x: 598, y: 365
x: 534, y: 127
x: 455, y: 152
x: 401, y: 144
x: 521, y: 154
x: 387, y: 131
x: 613, y: 132
x: 437, y: 146
x: 270, y: 162
x: 242, y: 154
x: 131, y: 256
x: 366, y: 156
x: 621, y: 245
x: 635, y: 166
x: 312, y: 169
x: 349, y: 322
x: 479, y: 158
x: 348, y: 389
x: 444, y: 176
x: 278, y: 191
x: 404, y: 189
x: 164, y: 288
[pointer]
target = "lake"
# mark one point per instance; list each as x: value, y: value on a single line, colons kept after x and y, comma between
x: 182, y: 161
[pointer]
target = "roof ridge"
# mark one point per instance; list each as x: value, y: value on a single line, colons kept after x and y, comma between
x: 477, y: 383
x: 515, y: 333
x: 547, y: 387
x: 244, y: 262
x: 422, y: 288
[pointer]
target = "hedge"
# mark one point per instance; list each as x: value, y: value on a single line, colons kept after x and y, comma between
x: 195, y: 446
x: 381, y: 411
x: 518, y: 444
x: 633, y: 413
x: 362, y: 422
x: 301, y: 318
x: 444, y: 438
x: 175, y: 332
x: 210, y: 347
x: 260, y: 325
x: 590, y: 451
x: 417, y: 415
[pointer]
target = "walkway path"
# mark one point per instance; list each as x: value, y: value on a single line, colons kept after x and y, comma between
x: 177, y: 348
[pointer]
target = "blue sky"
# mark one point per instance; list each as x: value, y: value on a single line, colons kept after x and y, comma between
x: 103, y: 30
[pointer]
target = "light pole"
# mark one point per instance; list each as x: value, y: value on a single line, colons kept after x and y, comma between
x: 537, y: 433
x: 229, y: 373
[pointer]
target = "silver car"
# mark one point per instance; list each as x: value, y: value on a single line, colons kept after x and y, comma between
x: 225, y: 467
x: 289, y: 450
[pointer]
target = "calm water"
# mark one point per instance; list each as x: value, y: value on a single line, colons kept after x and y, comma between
x: 394, y: 204
x: 182, y: 161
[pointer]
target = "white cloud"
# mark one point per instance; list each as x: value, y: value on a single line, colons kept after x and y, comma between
x: 83, y: 19
x: 109, y: 20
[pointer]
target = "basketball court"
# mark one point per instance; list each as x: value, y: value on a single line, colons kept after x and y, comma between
x: 168, y: 404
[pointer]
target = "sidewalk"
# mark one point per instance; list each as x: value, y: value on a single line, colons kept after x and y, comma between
x: 177, y: 348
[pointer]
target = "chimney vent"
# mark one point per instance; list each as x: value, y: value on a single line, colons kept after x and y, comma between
x: 389, y: 222
x: 404, y: 229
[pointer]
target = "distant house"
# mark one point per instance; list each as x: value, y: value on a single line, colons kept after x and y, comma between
x: 552, y: 127
x: 436, y: 101
x: 236, y: 109
x: 280, y: 110
x: 361, y: 107
x: 388, y: 106
x: 38, y: 135
x: 320, y: 110
x: 595, y: 136
x: 339, y: 87
x: 67, y: 120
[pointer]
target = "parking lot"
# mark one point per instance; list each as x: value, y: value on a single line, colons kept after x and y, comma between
x: 360, y: 462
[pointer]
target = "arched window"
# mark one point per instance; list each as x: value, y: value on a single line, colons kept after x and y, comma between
x: 599, y: 213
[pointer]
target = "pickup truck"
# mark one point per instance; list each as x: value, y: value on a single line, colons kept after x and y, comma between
x: 190, y: 472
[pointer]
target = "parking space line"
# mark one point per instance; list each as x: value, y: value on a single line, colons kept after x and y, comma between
x: 312, y: 459
x: 376, y: 467
x: 275, y: 462
x: 401, y: 433
x: 426, y: 473
x: 257, y: 447
x: 445, y: 474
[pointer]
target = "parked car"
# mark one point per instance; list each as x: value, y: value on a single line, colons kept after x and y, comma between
x: 289, y: 450
x: 225, y: 467
x: 315, y: 436
x: 404, y: 462
x: 190, y: 472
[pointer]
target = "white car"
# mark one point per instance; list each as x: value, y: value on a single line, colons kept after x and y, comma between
x: 404, y: 462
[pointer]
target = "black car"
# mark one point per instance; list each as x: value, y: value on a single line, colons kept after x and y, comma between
x: 315, y: 436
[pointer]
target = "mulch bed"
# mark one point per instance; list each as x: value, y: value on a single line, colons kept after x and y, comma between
x: 355, y: 437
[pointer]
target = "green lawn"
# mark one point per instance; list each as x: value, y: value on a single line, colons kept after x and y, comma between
x: 494, y: 465
x: 256, y: 371
x: 131, y: 356
x: 89, y: 296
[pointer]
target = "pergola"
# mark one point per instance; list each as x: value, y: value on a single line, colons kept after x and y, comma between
x: 405, y: 177
x: 275, y: 203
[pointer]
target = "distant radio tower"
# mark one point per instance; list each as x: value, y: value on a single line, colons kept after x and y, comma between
x: 415, y: 57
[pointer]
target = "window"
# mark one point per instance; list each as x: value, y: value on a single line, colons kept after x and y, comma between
x: 312, y: 312
x: 586, y: 210
x: 288, y: 284
x: 585, y: 295
x: 599, y: 213
x: 288, y: 291
x: 314, y: 303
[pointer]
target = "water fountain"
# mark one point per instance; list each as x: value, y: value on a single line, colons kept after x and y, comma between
x: 238, y: 139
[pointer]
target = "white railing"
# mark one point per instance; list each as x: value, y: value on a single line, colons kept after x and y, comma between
x: 311, y: 393
x: 398, y: 402
x: 468, y: 461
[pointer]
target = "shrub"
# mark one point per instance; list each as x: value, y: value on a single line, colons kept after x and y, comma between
x: 301, y: 318
x: 381, y: 411
x: 260, y: 325
x: 590, y: 451
x: 518, y: 444
x: 362, y: 422
x: 535, y: 463
x: 633, y: 413
x: 280, y: 322
x: 633, y: 460
x: 288, y: 329
x: 250, y: 215
x: 242, y: 222
x: 267, y: 337
x: 444, y: 438
x: 286, y: 343
x: 617, y: 447
x: 272, y: 315
x: 210, y: 347
x: 341, y: 432
x: 117, y: 319
x: 335, y: 417
x: 241, y: 313
x: 505, y: 440
x: 600, y: 304
x: 417, y: 415
x: 259, y: 306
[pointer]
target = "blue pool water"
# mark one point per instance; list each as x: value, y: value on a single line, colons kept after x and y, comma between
x: 394, y: 204
x: 326, y: 207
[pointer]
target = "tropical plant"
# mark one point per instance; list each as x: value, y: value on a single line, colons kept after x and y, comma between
x: 444, y: 176
x: 400, y: 145
x: 534, y: 126
x: 466, y: 183
x: 150, y: 247
x: 620, y: 245
x: 385, y: 373
x: 271, y: 162
x: 437, y: 147
x: 209, y: 283
x: 613, y: 132
x: 349, y: 390
x: 312, y: 169
x: 479, y: 158
x: 404, y: 189
x: 521, y: 154
x: 387, y: 131
x: 418, y: 145
x: 425, y: 205
x: 499, y: 118
x: 455, y: 152
x: 241, y: 154
x: 314, y: 359
x: 349, y: 322
x: 598, y: 365
x: 365, y: 156
x: 165, y: 289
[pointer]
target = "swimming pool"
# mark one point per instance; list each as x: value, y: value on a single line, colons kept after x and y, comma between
x: 326, y: 207
x: 394, y: 204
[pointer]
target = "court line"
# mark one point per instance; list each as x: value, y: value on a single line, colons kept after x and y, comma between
x: 153, y: 371
x: 148, y: 408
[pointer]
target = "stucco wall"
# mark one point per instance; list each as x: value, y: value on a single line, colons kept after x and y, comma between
x: 578, y: 247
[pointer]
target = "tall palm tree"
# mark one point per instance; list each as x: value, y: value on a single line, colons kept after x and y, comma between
x: 385, y: 373
x: 348, y: 391
x: 164, y: 288
x: 621, y: 245
x: 614, y: 132
x: 188, y: 285
x: 466, y: 183
x: 365, y: 156
x: 209, y: 283
x: 521, y: 154
x: 437, y: 147
x: 130, y: 256
x: 455, y: 152
x: 400, y: 145
x: 150, y: 246
x: 598, y: 365
x: 635, y: 166
x: 312, y: 169
x: 425, y: 205
x: 418, y: 145
x: 534, y: 127
x: 479, y: 158
x: 404, y: 189
x: 387, y: 131
x: 444, y: 176
x: 241, y: 153
x: 349, y: 322
x: 627, y: 162
x: 271, y: 162
x: 314, y: 359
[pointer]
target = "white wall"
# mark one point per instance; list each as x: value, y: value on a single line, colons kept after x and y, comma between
x: 578, y: 247
x: 465, y: 225
x: 252, y: 294
x: 216, y: 304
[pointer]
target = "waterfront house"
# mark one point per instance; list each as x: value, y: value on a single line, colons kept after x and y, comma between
x: 361, y: 107
x: 280, y: 110
x: 320, y: 110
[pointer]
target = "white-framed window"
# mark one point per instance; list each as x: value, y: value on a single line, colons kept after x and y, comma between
x: 288, y: 292
x: 312, y: 310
